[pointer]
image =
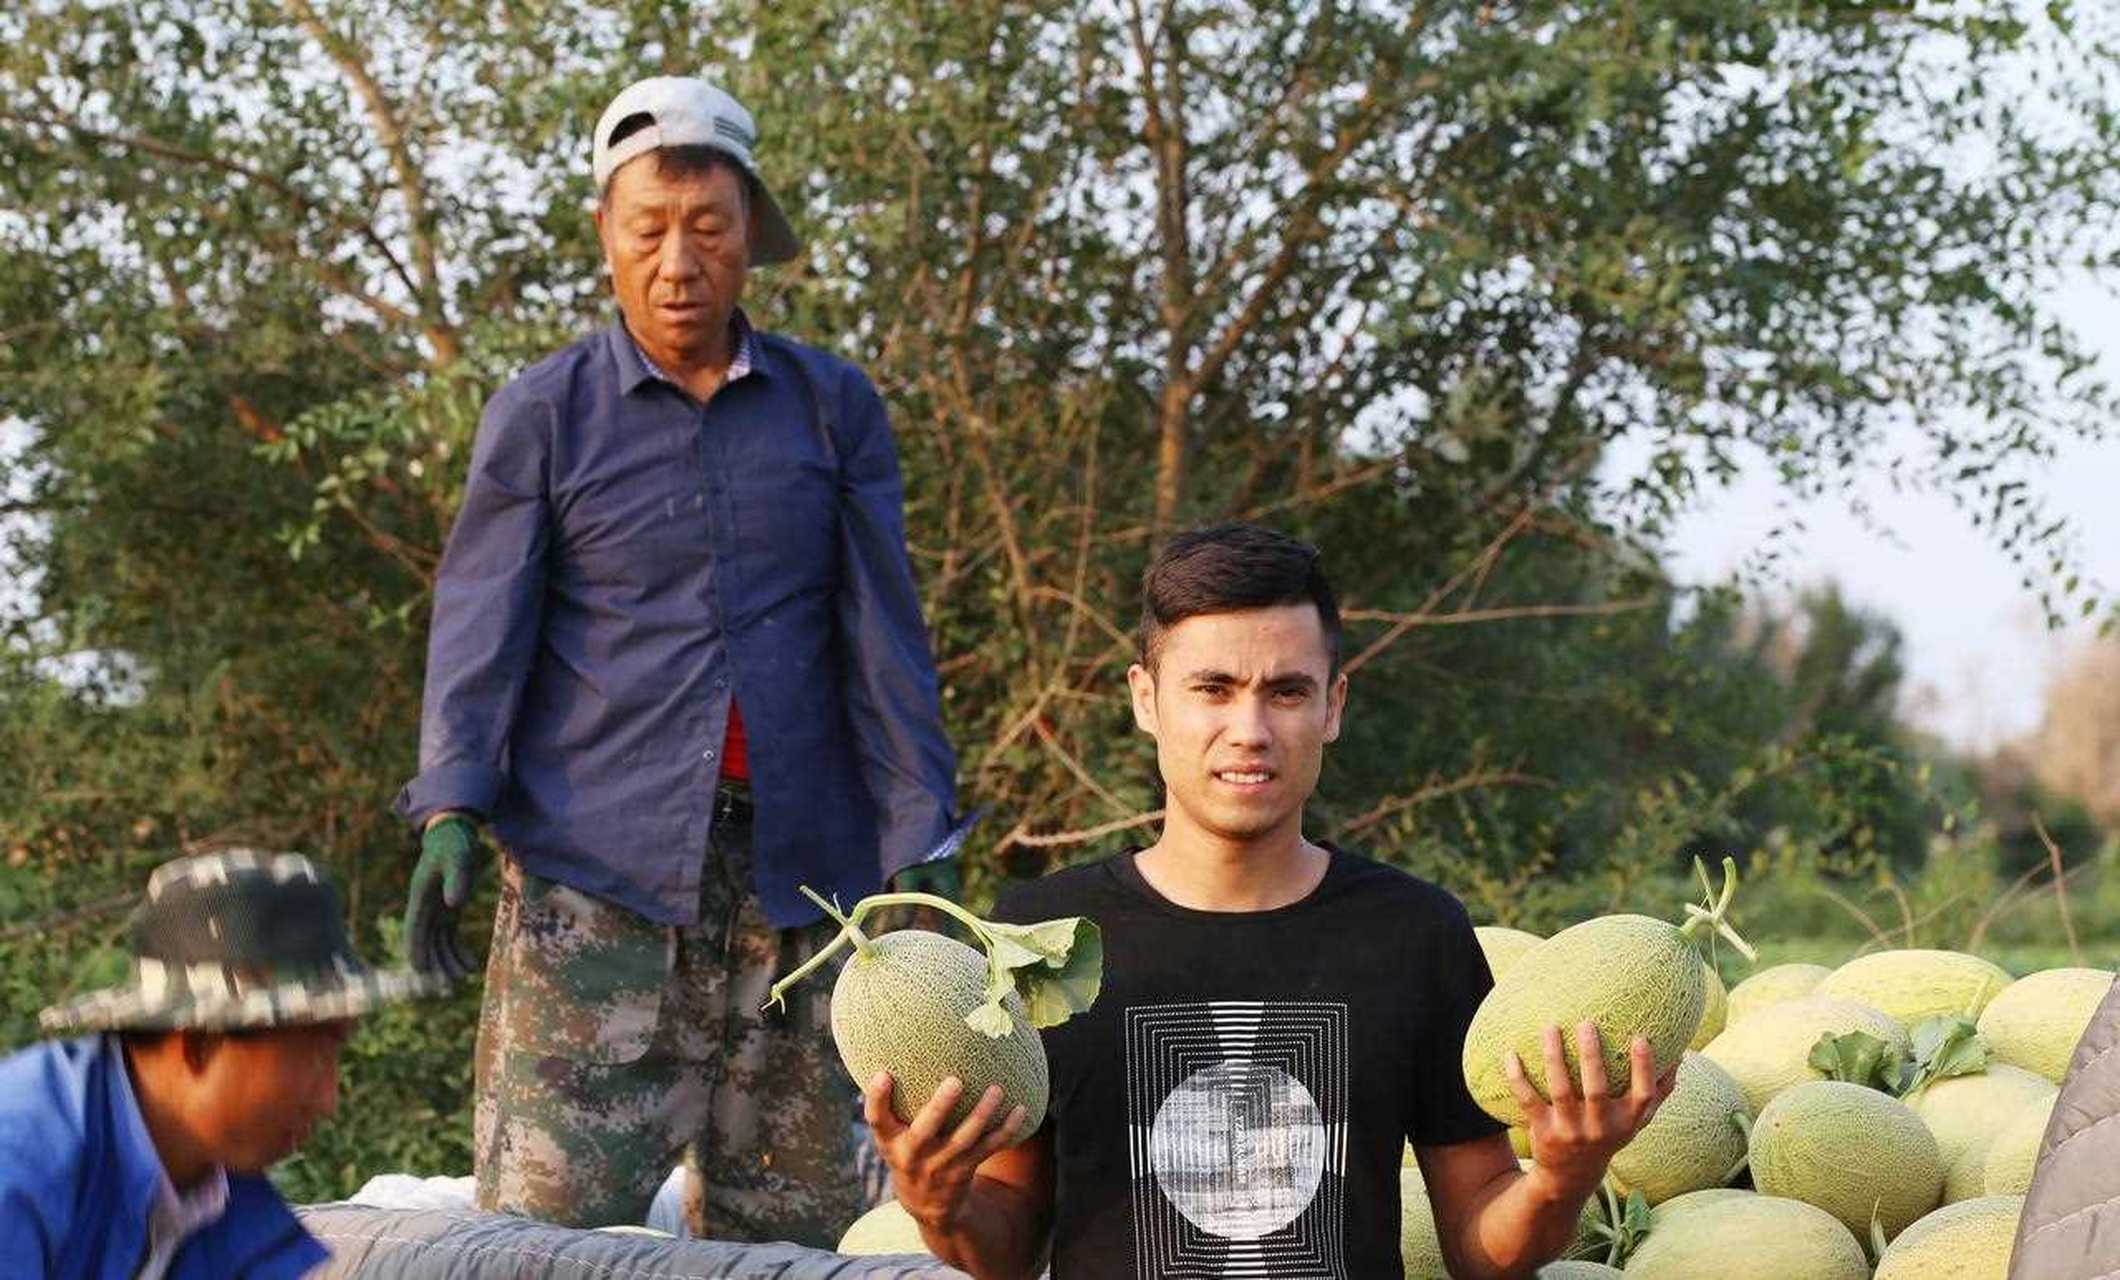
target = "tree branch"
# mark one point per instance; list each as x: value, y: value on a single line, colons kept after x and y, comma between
x: 1499, y: 614
x: 303, y: 201
x: 1082, y: 836
x: 411, y: 185
x: 1434, y: 790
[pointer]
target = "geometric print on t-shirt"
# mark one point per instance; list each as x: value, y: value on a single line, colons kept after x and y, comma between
x: 1237, y: 1139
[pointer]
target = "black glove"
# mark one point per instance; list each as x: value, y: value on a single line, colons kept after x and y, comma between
x: 450, y: 857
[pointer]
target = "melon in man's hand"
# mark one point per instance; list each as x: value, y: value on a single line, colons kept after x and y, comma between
x: 1631, y: 975
x: 925, y: 1007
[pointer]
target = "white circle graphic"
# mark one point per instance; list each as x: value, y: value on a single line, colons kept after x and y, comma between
x: 1239, y: 1148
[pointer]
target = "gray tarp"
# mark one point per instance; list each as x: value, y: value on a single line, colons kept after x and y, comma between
x: 2071, y: 1224
x: 441, y: 1244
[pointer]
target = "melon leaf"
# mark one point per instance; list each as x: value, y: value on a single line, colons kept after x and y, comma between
x: 989, y: 1019
x: 1069, y: 982
x: 1944, y: 1046
x: 1056, y: 966
x: 1858, y: 1057
x: 1622, y: 1228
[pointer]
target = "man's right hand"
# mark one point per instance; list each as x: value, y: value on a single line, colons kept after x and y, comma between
x: 441, y: 885
x: 932, y: 1170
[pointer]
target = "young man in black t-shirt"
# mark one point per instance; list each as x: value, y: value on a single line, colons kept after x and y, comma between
x: 1277, y: 1019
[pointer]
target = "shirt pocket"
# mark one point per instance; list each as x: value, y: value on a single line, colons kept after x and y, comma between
x: 584, y: 978
x: 788, y: 508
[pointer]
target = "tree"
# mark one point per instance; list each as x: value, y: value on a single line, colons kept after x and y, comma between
x: 1392, y: 276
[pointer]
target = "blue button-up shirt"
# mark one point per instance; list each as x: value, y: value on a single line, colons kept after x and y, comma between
x: 79, y: 1178
x: 626, y: 562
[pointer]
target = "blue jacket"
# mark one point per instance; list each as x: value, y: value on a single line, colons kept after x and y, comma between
x: 78, y: 1176
x: 624, y: 565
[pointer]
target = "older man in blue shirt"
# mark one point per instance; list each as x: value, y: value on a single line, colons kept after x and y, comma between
x: 677, y: 667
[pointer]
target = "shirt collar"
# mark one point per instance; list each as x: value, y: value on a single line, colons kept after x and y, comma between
x: 176, y: 1215
x: 635, y: 366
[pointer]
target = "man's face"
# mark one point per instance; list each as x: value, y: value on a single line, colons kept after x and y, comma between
x: 1241, y: 706
x: 259, y: 1096
x: 679, y: 250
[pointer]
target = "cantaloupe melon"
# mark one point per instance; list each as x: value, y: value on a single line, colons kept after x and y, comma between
x: 1420, y: 1251
x: 1966, y: 1113
x: 885, y: 1229
x: 2036, y: 1021
x: 1770, y: 1051
x: 1914, y: 984
x: 1692, y: 1200
x: 900, y: 1006
x: 1632, y: 975
x: 1696, y: 1140
x: 1772, y: 986
x: 1714, y: 1010
x: 2014, y: 1153
x: 1749, y: 1237
x: 1504, y: 946
x: 1850, y: 1150
x: 1577, y: 1269
x: 1970, y: 1240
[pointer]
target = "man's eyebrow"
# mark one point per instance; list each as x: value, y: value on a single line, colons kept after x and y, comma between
x: 1284, y: 680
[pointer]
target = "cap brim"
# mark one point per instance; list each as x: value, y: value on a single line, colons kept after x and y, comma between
x: 290, y: 1004
x: 776, y: 241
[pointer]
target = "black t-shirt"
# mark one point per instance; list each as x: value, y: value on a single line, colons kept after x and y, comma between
x: 1237, y: 1100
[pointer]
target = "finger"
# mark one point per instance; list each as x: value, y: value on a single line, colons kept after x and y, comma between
x: 974, y: 1126
x: 1520, y: 1086
x: 464, y: 963
x: 1559, y: 1087
x: 456, y: 883
x: 876, y: 1106
x: 1642, y: 1067
x: 1001, y: 1136
x: 926, y: 1128
x: 1591, y: 1050
x: 419, y: 952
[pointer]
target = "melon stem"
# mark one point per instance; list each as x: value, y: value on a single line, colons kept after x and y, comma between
x: 848, y: 932
x: 944, y: 905
x: 1713, y: 916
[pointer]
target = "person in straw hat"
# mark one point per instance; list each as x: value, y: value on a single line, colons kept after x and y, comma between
x: 137, y: 1148
x: 677, y: 669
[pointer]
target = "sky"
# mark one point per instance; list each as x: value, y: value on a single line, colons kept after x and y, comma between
x: 1977, y: 650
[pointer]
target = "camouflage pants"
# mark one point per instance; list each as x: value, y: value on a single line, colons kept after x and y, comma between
x: 608, y: 1045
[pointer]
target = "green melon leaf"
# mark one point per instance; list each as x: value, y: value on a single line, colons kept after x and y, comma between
x: 1859, y: 1058
x: 1068, y: 968
x: 1944, y: 1046
x: 990, y: 1019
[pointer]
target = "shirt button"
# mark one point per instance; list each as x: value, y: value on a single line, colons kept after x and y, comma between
x: 721, y: 682
x: 708, y: 754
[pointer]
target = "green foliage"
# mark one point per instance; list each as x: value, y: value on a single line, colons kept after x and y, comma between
x: 1396, y: 278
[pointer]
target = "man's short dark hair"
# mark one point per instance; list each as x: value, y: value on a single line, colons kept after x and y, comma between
x: 1226, y: 567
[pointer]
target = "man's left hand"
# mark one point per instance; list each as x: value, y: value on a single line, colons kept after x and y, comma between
x: 1575, y: 1133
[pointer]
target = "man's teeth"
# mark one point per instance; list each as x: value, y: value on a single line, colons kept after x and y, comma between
x: 1228, y: 775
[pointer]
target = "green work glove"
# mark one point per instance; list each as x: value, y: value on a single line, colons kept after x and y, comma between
x: 450, y: 856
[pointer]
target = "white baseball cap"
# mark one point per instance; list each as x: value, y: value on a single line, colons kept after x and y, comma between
x: 684, y: 111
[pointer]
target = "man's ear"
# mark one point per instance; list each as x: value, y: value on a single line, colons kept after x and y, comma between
x: 197, y: 1048
x: 1141, y: 683
x: 1335, y: 706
